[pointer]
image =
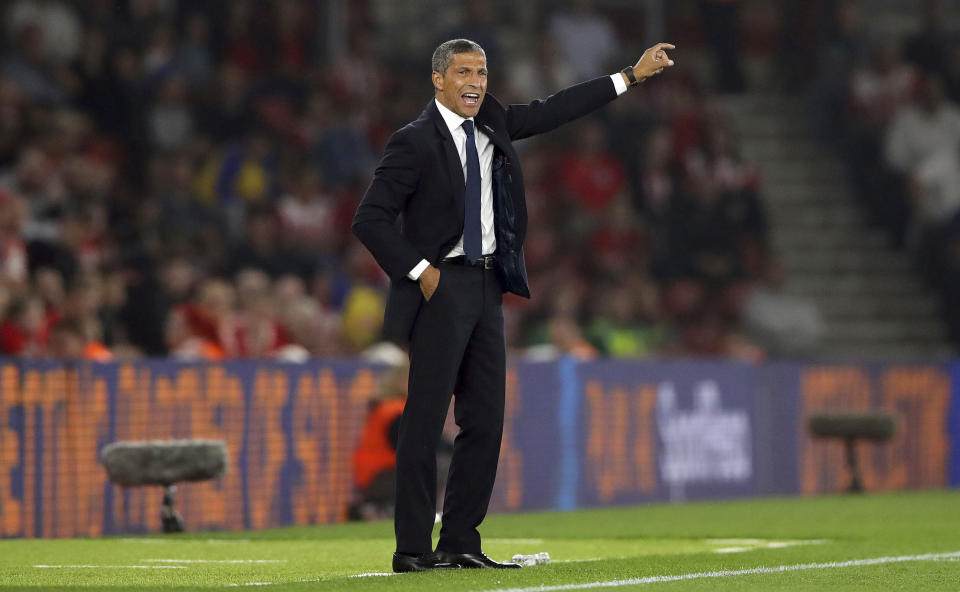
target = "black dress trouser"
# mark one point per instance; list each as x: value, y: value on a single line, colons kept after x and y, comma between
x: 457, y: 347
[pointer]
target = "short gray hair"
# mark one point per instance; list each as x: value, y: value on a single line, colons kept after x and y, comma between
x: 443, y: 55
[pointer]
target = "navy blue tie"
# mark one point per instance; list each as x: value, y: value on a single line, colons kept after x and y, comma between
x: 472, y: 245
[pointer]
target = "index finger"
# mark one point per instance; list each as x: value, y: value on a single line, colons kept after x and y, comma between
x: 665, y: 46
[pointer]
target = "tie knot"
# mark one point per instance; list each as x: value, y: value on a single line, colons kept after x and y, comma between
x: 468, y: 127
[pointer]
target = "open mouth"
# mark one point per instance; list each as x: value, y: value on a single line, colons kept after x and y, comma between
x: 470, y: 98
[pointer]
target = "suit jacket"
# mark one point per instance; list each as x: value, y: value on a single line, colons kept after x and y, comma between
x: 420, y: 181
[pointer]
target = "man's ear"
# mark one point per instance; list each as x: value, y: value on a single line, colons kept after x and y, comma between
x: 437, y: 80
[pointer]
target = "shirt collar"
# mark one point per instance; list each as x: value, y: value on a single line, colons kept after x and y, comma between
x: 452, y: 120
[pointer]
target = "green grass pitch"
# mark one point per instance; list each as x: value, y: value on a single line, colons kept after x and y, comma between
x: 903, y: 541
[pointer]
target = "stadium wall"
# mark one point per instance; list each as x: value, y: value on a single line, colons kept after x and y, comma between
x: 576, y: 435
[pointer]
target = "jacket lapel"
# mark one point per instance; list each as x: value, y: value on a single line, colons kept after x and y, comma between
x: 454, y: 167
x: 496, y: 138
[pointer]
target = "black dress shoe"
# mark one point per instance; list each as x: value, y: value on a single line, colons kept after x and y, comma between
x: 474, y: 561
x: 403, y: 563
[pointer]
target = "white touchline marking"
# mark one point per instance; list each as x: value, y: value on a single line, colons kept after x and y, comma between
x: 214, y: 560
x: 755, y: 544
x: 734, y: 541
x: 277, y: 583
x: 363, y: 575
x: 152, y: 541
x: 739, y: 572
x: 587, y: 560
x: 110, y: 566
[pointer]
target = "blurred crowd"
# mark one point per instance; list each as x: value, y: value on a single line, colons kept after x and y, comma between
x: 890, y: 104
x: 178, y: 177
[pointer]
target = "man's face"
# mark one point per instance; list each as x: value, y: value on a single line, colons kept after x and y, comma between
x: 462, y: 88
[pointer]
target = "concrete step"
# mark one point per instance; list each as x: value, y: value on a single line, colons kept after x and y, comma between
x: 802, y: 172
x: 838, y: 306
x: 873, y: 305
x: 788, y: 238
x: 837, y: 231
x: 805, y: 194
x: 885, y: 330
x: 815, y: 217
x: 866, y: 286
x: 842, y: 208
x: 767, y: 151
x: 762, y: 161
x: 847, y: 262
x: 799, y: 261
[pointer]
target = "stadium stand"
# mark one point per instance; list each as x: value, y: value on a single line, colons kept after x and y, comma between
x: 178, y: 178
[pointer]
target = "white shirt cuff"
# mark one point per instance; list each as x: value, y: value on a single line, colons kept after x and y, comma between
x: 618, y: 83
x: 416, y: 271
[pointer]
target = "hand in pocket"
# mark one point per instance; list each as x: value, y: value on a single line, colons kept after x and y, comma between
x: 429, y: 281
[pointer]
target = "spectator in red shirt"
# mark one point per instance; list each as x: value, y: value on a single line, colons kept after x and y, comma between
x: 24, y: 332
x: 591, y: 174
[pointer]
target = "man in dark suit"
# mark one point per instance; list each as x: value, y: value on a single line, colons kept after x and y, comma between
x: 454, y: 180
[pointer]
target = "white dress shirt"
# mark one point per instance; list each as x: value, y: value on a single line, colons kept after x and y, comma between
x: 485, y: 152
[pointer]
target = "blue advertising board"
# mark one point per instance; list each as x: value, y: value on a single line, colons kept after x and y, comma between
x: 575, y: 435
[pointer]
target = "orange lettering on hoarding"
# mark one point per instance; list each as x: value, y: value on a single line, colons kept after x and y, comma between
x: 53, y: 396
x: 918, y: 456
x: 86, y: 425
x: 187, y: 396
x: 92, y: 478
x: 266, y: 445
x: 306, y: 445
x: 614, y: 466
x: 31, y: 395
x: 184, y: 396
x: 203, y: 409
x: 334, y: 463
x: 325, y: 428
x: 363, y: 386
x: 11, y: 455
x: 133, y: 402
x: 234, y: 416
x: 214, y: 414
x: 645, y: 400
x: 67, y: 459
x: 830, y: 389
x: 162, y: 410
x: 131, y: 413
